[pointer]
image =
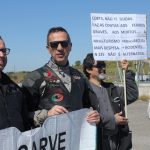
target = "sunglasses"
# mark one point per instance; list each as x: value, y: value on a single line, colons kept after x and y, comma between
x: 100, y: 66
x: 5, y: 51
x: 64, y: 44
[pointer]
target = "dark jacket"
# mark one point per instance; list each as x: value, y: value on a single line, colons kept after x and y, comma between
x: 44, y: 89
x: 116, y: 93
x: 116, y: 97
x: 13, y: 111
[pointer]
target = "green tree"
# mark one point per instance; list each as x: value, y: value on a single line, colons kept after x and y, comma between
x: 77, y: 63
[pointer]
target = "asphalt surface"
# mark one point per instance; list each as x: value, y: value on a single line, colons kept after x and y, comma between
x: 139, y: 125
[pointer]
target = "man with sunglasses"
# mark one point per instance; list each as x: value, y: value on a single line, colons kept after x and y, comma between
x: 114, y: 132
x: 57, y: 88
x: 13, y: 111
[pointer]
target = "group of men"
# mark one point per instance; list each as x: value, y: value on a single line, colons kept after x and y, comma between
x: 58, y: 88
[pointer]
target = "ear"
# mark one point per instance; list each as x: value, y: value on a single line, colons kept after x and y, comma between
x: 70, y: 46
x: 89, y: 70
x: 49, y: 50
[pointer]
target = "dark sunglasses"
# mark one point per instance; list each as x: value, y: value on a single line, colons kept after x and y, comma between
x: 55, y: 44
x: 5, y: 51
x: 100, y: 65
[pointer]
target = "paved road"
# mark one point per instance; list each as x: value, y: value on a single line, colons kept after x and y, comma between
x: 140, y: 125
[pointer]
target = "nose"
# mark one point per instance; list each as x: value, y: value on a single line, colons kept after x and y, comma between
x: 59, y: 47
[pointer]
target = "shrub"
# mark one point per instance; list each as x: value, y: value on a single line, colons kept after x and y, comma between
x: 144, y: 97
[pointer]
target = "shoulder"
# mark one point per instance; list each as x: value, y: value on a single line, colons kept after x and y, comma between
x: 108, y: 85
x: 36, y: 74
x: 73, y: 70
x: 5, y: 77
x: 7, y: 80
x: 131, y: 72
x: 76, y: 73
x: 111, y: 88
x: 32, y: 77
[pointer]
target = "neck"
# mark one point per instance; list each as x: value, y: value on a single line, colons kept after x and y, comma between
x: 95, y: 81
x: 60, y: 64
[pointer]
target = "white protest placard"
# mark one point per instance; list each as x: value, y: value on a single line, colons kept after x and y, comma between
x: 119, y: 36
x: 68, y: 131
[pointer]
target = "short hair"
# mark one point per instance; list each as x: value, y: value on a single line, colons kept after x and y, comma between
x: 57, y: 29
x: 88, y: 63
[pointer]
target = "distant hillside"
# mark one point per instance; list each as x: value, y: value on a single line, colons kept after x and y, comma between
x: 17, y: 77
x: 111, y: 70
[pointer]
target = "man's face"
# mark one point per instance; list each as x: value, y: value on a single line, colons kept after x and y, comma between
x: 3, y: 57
x: 98, y: 68
x: 59, y: 47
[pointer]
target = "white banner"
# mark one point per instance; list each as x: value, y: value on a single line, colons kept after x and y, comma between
x: 119, y: 36
x: 63, y: 132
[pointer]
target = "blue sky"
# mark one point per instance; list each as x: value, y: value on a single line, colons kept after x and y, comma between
x: 24, y: 26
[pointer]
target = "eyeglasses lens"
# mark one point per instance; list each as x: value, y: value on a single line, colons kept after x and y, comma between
x: 5, y: 51
x: 55, y: 44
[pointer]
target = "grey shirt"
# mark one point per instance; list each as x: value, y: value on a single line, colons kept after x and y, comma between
x: 106, y: 112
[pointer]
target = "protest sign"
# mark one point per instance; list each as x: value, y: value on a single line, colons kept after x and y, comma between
x: 119, y: 36
x: 68, y: 131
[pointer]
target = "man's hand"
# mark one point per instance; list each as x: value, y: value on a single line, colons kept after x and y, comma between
x: 124, y: 64
x: 56, y: 110
x: 93, y: 117
x: 120, y: 119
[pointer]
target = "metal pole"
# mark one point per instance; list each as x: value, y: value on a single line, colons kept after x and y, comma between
x: 125, y: 93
